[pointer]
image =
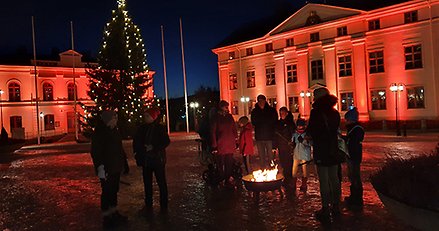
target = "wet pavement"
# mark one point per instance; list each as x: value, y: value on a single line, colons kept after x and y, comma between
x: 53, y: 187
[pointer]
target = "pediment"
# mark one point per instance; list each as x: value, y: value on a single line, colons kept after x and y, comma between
x: 312, y: 14
x: 70, y: 53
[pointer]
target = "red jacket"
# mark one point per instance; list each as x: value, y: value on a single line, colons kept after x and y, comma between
x: 224, y: 134
x: 246, y: 140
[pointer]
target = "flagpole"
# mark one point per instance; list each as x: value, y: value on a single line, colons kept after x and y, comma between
x: 166, y: 82
x: 184, y: 78
x: 36, y: 82
x: 74, y: 83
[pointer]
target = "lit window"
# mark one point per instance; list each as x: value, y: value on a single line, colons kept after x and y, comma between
x: 270, y: 76
x: 293, y: 104
x: 235, y: 108
x: 374, y: 24
x: 14, y: 92
x: 314, y: 37
x: 272, y: 102
x: 251, y: 82
x: 378, y: 98
x: 342, y: 31
x: 292, y: 73
x: 47, y: 92
x: 345, y: 66
x: 413, y: 57
x: 233, y: 80
x: 290, y: 42
x: 231, y: 55
x: 316, y: 69
x: 376, y: 62
x: 268, y: 47
x: 49, y: 122
x: 347, y: 101
x: 415, y: 97
x: 16, y: 122
x: 71, y: 91
x: 249, y: 51
x: 411, y: 16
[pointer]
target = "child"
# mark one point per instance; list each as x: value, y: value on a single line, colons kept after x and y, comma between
x: 354, y: 139
x: 302, y: 153
x: 246, y: 141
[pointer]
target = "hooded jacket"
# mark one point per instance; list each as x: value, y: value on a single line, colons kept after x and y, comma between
x: 246, y: 140
x: 285, y: 129
x: 323, y: 126
x: 224, y: 134
x: 264, y: 121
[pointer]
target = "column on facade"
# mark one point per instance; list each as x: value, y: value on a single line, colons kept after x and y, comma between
x: 330, y: 68
x: 281, y: 84
x: 224, y: 82
x: 303, y: 81
x: 359, y: 63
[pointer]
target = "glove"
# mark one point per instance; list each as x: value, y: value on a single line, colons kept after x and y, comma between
x: 148, y: 147
x: 101, y: 172
x: 214, y: 150
x: 300, y: 139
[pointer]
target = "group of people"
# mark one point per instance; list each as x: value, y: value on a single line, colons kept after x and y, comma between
x: 110, y: 160
x: 297, y: 144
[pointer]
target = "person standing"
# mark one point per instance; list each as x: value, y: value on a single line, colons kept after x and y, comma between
x: 302, y: 154
x: 323, y: 128
x: 149, y: 145
x: 285, y: 129
x: 224, y: 138
x: 246, y: 141
x: 108, y: 160
x: 264, y: 118
x: 354, y: 139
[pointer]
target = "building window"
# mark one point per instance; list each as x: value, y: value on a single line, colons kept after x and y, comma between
x: 231, y: 55
x: 413, y: 57
x: 71, y: 89
x: 270, y: 75
x: 374, y: 24
x: 233, y: 80
x: 14, y: 92
x: 411, y: 16
x: 290, y: 42
x: 268, y: 47
x: 347, y: 101
x: 314, y: 37
x: 293, y: 104
x: 47, y: 92
x: 378, y: 98
x: 49, y: 122
x: 272, y: 102
x: 251, y: 82
x: 316, y: 69
x: 249, y: 51
x: 292, y: 73
x: 16, y: 122
x: 415, y: 97
x: 376, y: 62
x: 251, y: 105
x: 345, y: 66
x: 235, y: 108
x: 342, y: 31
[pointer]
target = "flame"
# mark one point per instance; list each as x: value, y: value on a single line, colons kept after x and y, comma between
x: 265, y: 175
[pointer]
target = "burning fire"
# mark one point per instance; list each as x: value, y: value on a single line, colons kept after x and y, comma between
x: 265, y: 175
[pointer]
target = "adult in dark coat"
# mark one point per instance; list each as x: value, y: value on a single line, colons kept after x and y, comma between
x: 323, y: 128
x: 108, y: 159
x: 264, y: 118
x: 224, y: 139
x: 285, y: 128
x: 149, y: 146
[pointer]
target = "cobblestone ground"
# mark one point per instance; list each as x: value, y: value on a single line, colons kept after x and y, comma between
x: 54, y: 188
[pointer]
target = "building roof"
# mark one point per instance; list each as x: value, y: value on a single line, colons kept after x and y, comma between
x: 263, y: 26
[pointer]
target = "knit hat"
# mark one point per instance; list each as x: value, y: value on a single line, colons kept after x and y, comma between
x: 107, y: 116
x: 352, y: 115
x: 301, y: 122
x: 223, y: 103
x: 153, y: 112
x: 319, y: 92
x: 243, y: 120
x: 261, y: 97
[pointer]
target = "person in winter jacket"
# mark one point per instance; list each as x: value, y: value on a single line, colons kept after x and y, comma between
x: 323, y: 128
x: 354, y: 139
x: 264, y: 118
x: 284, y: 129
x: 149, y: 145
x: 108, y: 160
x: 246, y: 141
x: 224, y: 138
x: 302, y: 153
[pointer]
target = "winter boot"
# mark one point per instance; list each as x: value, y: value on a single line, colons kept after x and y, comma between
x: 304, y: 186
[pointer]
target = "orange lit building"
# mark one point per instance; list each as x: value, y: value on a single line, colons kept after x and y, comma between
x: 359, y: 55
x: 55, y: 92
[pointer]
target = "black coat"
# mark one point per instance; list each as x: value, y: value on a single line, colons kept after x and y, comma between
x: 107, y: 150
x: 264, y: 121
x: 285, y: 129
x: 324, y: 134
x: 354, y: 138
x: 151, y: 134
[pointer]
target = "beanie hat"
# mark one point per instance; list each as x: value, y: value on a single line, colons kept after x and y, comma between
x: 223, y: 103
x: 243, y: 120
x: 301, y: 122
x: 106, y: 116
x: 153, y: 112
x: 319, y: 92
x: 352, y: 115
x: 261, y: 97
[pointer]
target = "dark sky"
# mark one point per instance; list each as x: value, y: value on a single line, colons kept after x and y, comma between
x: 205, y: 24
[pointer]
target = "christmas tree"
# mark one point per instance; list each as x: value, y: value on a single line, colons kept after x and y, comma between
x: 120, y: 80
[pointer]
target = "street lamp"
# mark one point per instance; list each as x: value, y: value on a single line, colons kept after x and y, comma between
x: 194, y: 105
x: 396, y: 88
x: 303, y: 94
x: 245, y: 100
x: 41, y: 122
x: 1, y: 106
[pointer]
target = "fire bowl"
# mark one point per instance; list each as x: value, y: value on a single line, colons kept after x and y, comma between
x: 262, y: 186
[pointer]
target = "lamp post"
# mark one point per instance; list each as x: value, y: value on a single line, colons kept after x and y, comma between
x: 396, y: 88
x: 303, y: 94
x: 245, y: 101
x: 41, y: 118
x: 1, y: 106
x: 194, y: 105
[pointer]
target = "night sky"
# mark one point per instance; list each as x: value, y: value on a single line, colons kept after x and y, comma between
x: 205, y: 24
